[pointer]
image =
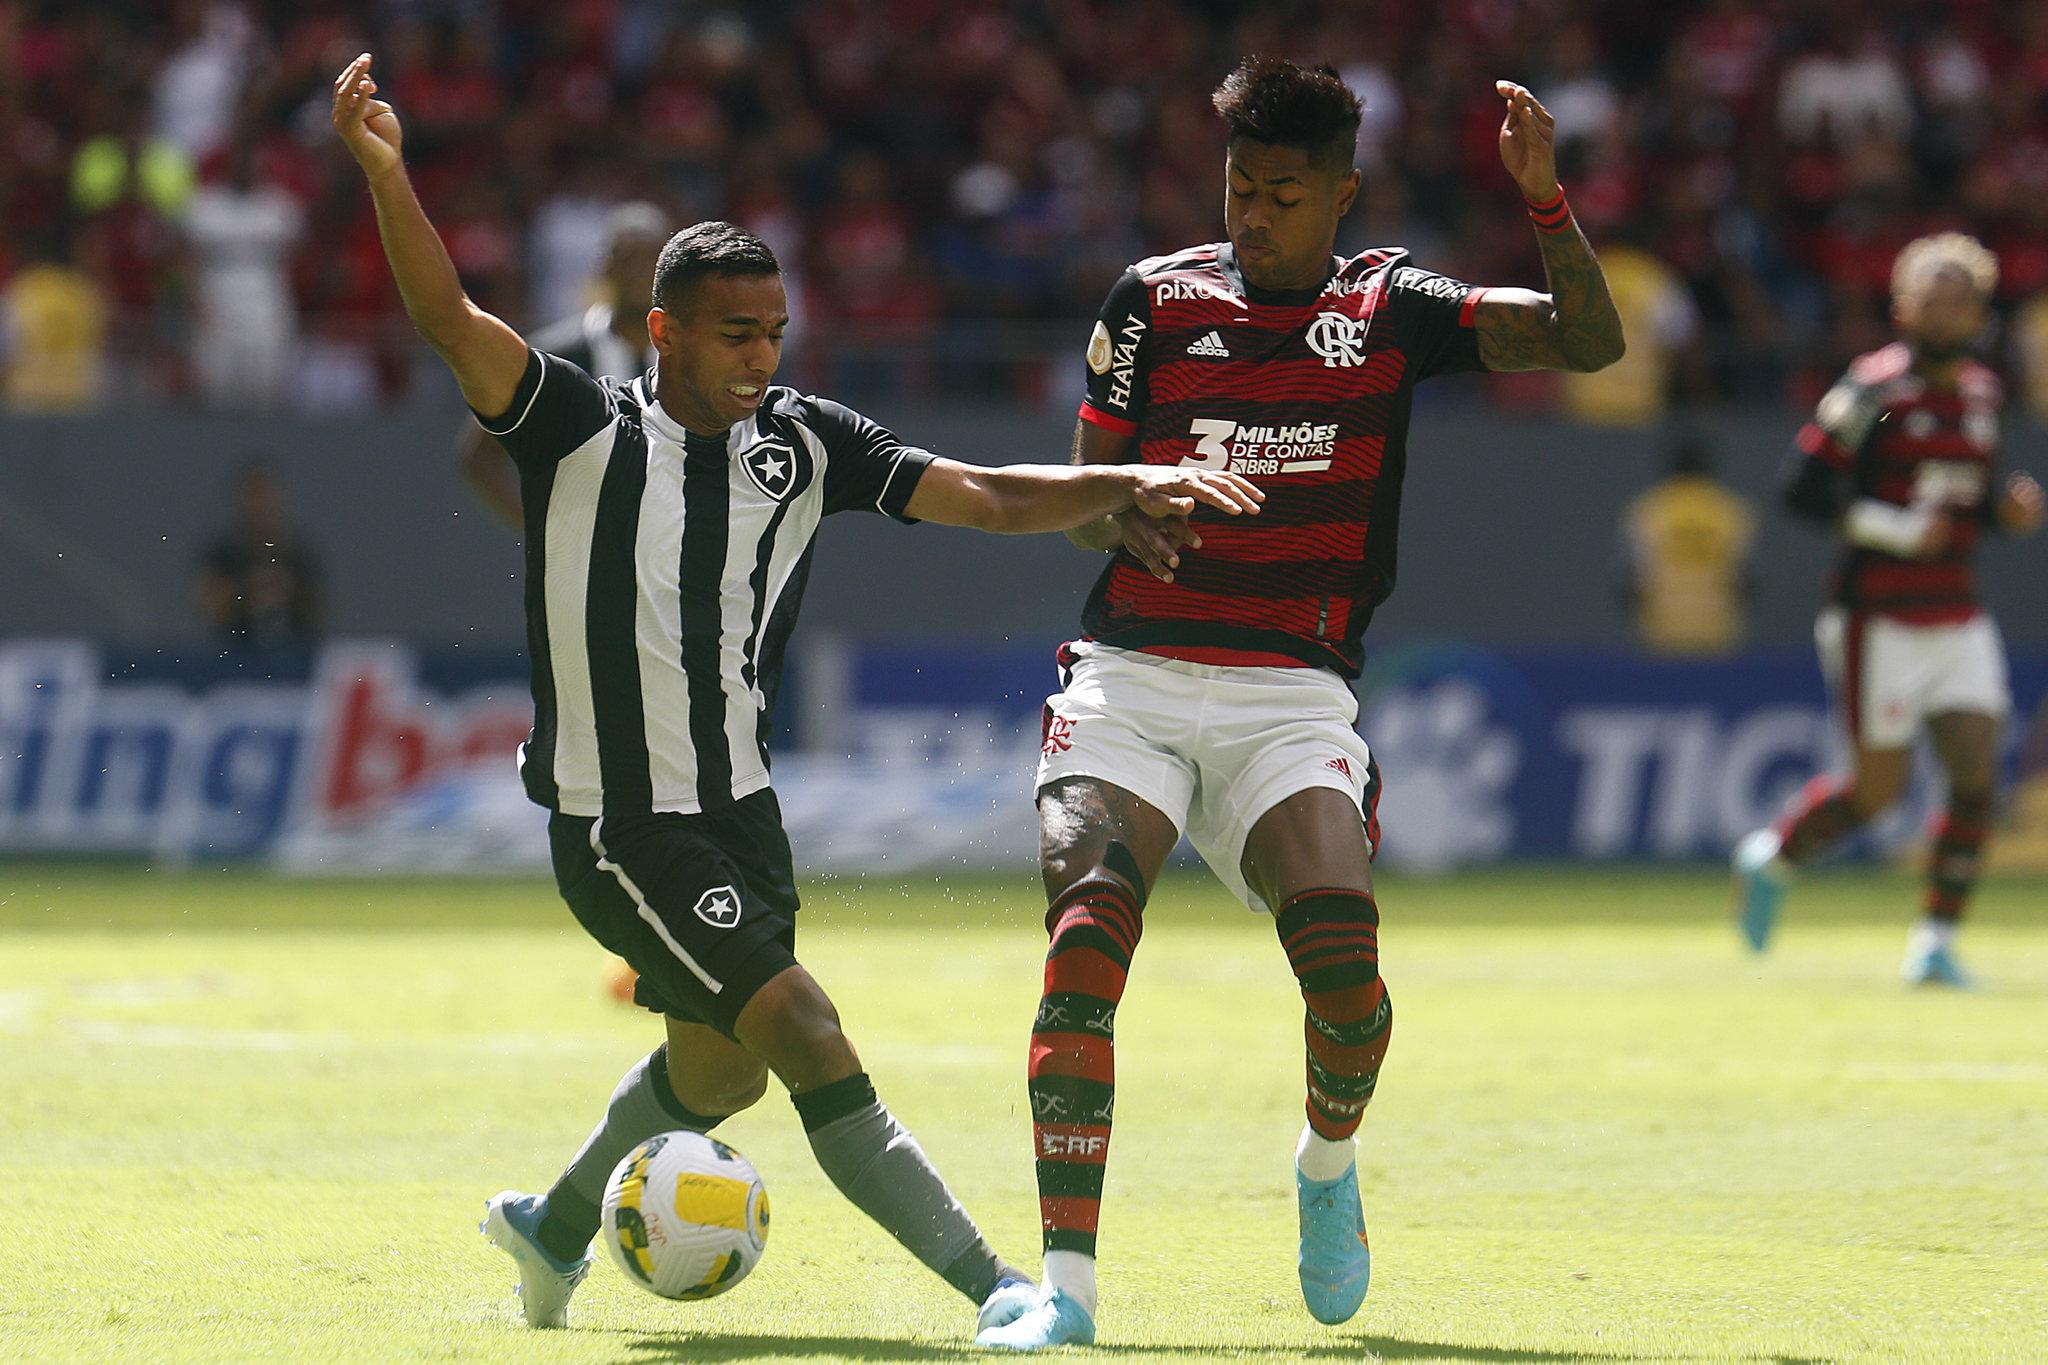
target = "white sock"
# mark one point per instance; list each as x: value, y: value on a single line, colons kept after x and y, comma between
x: 1072, y: 1272
x: 1322, y: 1159
x: 1759, y: 852
x: 1932, y: 935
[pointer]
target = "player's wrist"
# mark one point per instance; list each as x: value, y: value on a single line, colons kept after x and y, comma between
x: 1549, y: 211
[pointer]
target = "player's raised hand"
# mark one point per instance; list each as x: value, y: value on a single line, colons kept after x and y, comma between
x: 2020, y: 506
x: 367, y: 125
x: 1528, y: 142
x: 1166, y: 491
x: 1156, y: 542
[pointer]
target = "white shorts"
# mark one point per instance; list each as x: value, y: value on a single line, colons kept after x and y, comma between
x: 1213, y: 747
x: 1888, y: 676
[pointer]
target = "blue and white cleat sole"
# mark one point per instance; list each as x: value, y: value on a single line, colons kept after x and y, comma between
x: 1335, y: 1261
x: 1758, y: 892
x: 1936, y: 967
x: 545, y: 1283
x: 1054, y: 1320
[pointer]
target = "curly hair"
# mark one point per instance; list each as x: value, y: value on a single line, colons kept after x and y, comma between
x: 1271, y: 100
x: 1927, y: 259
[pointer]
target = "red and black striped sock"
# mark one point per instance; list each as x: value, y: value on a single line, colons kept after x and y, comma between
x: 1095, y: 928
x: 1959, y: 834
x: 1332, y: 941
x: 1819, y: 817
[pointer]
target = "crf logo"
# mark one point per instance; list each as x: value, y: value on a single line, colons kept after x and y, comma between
x: 772, y: 467
x: 1059, y: 734
x: 1073, y: 1144
x: 1338, y: 339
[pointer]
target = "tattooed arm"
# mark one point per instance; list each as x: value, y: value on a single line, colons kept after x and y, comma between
x: 1575, y: 325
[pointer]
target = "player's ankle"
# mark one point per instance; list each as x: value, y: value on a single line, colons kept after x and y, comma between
x: 1323, y: 1159
x: 1073, y: 1274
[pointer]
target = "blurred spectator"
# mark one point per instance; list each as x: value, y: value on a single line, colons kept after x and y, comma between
x: 1661, y: 322
x: 53, y: 332
x: 607, y: 340
x: 242, y: 230
x: 956, y: 184
x: 259, y: 584
x: 1687, y: 541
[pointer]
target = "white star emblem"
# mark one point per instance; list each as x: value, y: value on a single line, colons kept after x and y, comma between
x: 771, y: 468
x: 719, y: 907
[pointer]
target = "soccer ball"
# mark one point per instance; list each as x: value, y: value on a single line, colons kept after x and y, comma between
x: 685, y: 1216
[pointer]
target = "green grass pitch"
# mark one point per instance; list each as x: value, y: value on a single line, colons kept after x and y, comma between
x: 245, y: 1118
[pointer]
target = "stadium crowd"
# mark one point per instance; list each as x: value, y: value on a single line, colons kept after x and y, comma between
x: 954, y: 184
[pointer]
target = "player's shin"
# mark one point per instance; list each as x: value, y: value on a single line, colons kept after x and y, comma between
x: 1072, y: 1075
x: 883, y: 1172
x: 643, y: 1104
x: 1820, y: 817
x: 1953, y: 861
x: 1332, y: 942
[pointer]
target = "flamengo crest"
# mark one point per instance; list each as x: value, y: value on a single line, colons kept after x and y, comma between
x: 1338, y: 339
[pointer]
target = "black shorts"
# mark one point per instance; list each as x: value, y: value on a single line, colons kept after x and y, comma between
x: 703, y: 907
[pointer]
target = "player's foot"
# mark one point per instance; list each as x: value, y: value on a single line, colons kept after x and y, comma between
x: 511, y: 1221
x: 1009, y: 1300
x: 1336, y: 1262
x: 1935, y: 966
x: 1759, y: 886
x: 1057, y: 1319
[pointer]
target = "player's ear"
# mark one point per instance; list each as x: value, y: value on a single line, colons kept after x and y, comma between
x: 1347, y: 191
x: 661, y: 330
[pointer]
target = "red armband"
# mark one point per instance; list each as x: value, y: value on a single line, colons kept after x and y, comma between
x: 1553, y: 214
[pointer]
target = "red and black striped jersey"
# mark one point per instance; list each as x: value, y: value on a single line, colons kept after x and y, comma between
x: 1305, y: 393
x: 1882, y: 432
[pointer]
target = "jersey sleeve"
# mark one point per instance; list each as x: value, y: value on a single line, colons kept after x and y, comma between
x: 556, y: 408
x: 1819, y: 480
x: 866, y: 468
x: 1119, y: 349
x: 1433, y: 317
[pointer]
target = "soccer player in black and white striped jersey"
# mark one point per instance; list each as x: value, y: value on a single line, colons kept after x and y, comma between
x: 668, y: 533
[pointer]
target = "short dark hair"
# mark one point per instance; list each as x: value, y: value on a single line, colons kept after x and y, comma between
x: 721, y: 249
x: 1271, y: 100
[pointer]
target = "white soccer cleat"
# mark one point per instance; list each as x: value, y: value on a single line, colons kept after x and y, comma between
x: 511, y: 1221
x: 1009, y: 1300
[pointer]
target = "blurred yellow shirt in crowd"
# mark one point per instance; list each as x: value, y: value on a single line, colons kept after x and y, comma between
x: 53, y: 332
x: 1688, y: 541
x: 1659, y: 320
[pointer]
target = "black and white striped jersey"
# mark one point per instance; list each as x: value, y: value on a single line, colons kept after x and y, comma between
x: 663, y: 574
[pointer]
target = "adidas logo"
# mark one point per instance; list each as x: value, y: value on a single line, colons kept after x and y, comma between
x: 1211, y: 344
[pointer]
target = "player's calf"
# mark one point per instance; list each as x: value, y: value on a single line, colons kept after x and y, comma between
x: 1331, y: 936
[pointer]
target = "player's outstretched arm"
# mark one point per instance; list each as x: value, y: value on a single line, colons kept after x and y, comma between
x: 487, y: 356
x: 1019, y: 499
x: 1575, y: 325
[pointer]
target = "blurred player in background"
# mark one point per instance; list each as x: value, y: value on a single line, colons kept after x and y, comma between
x: 608, y: 340
x: 1900, y: 461
x: 1209, y: 693
x: 668, y: 526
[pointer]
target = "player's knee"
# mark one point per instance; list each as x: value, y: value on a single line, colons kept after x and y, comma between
x: 791, y: 1024
x: 1075, y: 876
x: 726, y: 1093
x: 1331, y: 937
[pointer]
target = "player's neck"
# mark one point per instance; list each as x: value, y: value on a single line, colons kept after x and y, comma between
x: 679, y: 407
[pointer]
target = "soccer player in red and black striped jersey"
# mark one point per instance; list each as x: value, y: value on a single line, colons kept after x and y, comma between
x: 1209, y: 694
x: 1899, y: 458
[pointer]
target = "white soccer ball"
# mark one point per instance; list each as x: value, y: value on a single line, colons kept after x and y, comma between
x: 685, y: 1216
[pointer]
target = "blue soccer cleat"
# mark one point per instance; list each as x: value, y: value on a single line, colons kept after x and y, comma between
x: 511, y: 1221
x: 1759, y: 887
x: 1929, y: 965
x: 1009, y: 1300
x: 1336, y: 1262
x: 1057, y: 1319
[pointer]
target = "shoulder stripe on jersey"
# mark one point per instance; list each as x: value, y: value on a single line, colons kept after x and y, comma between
x: 531, y: 399
x: 882, y: 498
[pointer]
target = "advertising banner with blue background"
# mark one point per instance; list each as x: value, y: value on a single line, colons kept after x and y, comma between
x: 366, y: 756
